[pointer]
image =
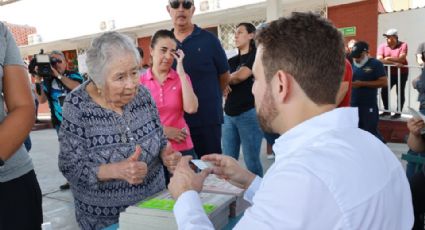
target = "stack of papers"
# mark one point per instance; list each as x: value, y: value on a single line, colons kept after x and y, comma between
x: 156, y: 212
x: 213, y: 184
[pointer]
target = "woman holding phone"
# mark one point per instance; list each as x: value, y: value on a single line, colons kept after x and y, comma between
x: 171, y: 90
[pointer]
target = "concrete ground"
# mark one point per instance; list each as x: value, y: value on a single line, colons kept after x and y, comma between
x: 58, y: 206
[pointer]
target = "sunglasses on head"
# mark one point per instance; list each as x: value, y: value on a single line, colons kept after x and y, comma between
x: 176, y: 4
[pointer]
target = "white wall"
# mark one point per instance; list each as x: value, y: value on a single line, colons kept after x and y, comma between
x: 410, y: 26
x: 411, y: 29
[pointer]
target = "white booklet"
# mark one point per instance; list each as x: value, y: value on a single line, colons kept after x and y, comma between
x: 416, y: 113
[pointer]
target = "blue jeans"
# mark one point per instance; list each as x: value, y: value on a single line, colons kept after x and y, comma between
x: 243, y: 129
x: 411, y: 167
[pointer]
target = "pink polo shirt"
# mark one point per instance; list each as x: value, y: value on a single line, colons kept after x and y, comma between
x: 385, y: 51
x: 169, y: 100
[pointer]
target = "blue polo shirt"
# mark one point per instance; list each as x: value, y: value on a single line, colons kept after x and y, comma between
x: 364, y: 96
x: 204, y: 61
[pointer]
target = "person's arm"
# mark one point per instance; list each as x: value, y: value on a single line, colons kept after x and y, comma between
x: 41, y: 94
x: 175, y: 134
x: 419, y: 59
x: 220, y: 62
x: 294, y: 204
x: 419, y: 54
x: 380, y: 52
x: 343, y: 89
x: 396, y: 60
x: 420, y: 82
x: 20, y: 106
x: 224, y: 80
x: 379, y: 83
x: 69, y: 83
x: 169, y: 157
x: 184, y: 187
x: 245, y: 70
x: 415, y: 141
x: 240, y: 75
x: 401, y: 59
x: 190, y: 101
x: 131, y: 170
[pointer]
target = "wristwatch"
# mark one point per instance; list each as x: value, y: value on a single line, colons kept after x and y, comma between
x: 59, y: 77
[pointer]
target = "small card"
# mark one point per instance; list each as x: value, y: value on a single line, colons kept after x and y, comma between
x: 416, y: 113
x: 202, y: 164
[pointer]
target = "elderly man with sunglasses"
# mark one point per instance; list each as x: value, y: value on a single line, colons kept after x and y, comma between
x: 53, y: 89
x: 206, y: 63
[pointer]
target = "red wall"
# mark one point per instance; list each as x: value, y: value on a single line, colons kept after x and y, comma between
x: 21, y: 32
x: 145, y: 43
x: 363, y: 15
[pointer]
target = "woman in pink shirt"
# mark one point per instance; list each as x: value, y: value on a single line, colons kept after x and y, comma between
x: 171, y: 90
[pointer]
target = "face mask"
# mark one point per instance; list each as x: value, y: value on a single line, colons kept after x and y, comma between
x: 362, y: 62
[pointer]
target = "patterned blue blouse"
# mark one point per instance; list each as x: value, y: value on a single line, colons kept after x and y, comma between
x: 91, y: 136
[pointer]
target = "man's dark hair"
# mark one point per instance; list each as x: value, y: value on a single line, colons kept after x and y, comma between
x: 161, y: 34
x: 310, y: 49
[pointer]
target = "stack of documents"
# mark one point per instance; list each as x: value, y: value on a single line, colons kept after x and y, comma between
x: 213, y: 184
x: 156, y: 212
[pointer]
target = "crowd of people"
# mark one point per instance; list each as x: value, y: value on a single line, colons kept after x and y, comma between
x: 126, y: 135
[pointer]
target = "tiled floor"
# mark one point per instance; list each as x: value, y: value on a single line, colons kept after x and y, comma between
x: 58, y: 208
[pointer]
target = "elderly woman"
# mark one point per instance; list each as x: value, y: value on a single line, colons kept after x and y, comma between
x: 112, y: 146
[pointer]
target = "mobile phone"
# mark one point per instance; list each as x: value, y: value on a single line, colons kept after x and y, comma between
x: 200, y: 164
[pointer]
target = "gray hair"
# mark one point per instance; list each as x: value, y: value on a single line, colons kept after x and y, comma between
x: 57, y: 52
x: 103, y: 49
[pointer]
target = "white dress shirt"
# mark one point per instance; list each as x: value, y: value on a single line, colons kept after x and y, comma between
x: 328, y: 174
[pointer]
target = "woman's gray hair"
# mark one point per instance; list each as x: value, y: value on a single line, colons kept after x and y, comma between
x: 57, y: 52
x: 103, y: 49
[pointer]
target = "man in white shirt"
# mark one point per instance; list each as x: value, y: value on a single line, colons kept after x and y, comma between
x: 328, y: 173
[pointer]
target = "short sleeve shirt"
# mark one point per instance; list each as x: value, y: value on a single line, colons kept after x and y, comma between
x: 20, y: 163
x: 371, y: 71
x: 421, y: 50
x: 205, y: 60
x: 385, y: 51
x: 169, y: 101
x: 240, y: 99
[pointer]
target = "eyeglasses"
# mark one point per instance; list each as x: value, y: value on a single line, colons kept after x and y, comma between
x: 175, y: 4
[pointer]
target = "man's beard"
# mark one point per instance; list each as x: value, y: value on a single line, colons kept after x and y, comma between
x: 267, y: 111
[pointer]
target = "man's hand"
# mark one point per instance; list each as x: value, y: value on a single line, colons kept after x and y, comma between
x: 175, y: 134
x: 170, y: 157
x: 415, y: 125
x: 228, y: 168
x: 399, y: 65
x: 357, y: 84
x: 227, y: 91
x: 55, y: 72
x: 185, y: 179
